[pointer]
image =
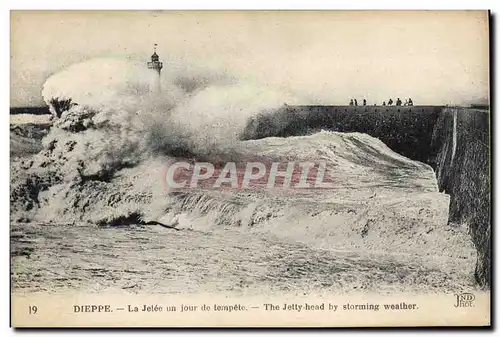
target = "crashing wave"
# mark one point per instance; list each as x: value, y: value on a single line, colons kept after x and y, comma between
x: 104, y: 158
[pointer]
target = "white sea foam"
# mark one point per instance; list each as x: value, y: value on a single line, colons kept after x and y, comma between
x: 110, y: 152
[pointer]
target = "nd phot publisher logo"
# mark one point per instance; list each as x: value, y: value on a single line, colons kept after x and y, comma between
x: 464, y: 300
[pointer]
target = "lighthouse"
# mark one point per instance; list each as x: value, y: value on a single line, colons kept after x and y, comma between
x: 156, y: 65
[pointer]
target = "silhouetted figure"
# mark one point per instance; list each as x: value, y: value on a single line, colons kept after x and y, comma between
x: 355, y: 102
x: 410, y: 102
x: 364, y: 102
x: 398, y: 102
x: 390, y: 101
x: 351, y: 102
x: 383, y: 103
x: 406, y: 102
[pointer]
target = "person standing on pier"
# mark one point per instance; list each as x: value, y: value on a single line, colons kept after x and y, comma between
x: 410, y: 102
x: 355, y: 102
x: 351, y: 102
x: 364, y: 102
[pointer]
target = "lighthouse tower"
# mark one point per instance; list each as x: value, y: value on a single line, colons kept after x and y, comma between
x: 156, y: 65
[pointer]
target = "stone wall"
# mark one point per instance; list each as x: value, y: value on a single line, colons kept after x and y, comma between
x: 454, y: 141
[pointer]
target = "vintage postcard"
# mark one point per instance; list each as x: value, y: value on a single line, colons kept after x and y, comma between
x: 250, y: 168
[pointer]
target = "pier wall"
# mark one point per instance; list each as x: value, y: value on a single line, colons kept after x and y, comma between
x: 454, y: 141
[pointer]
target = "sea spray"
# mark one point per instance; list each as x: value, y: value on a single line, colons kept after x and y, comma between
x: 112, y: 121
x: 191, y: 115
x: 104, y: 162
